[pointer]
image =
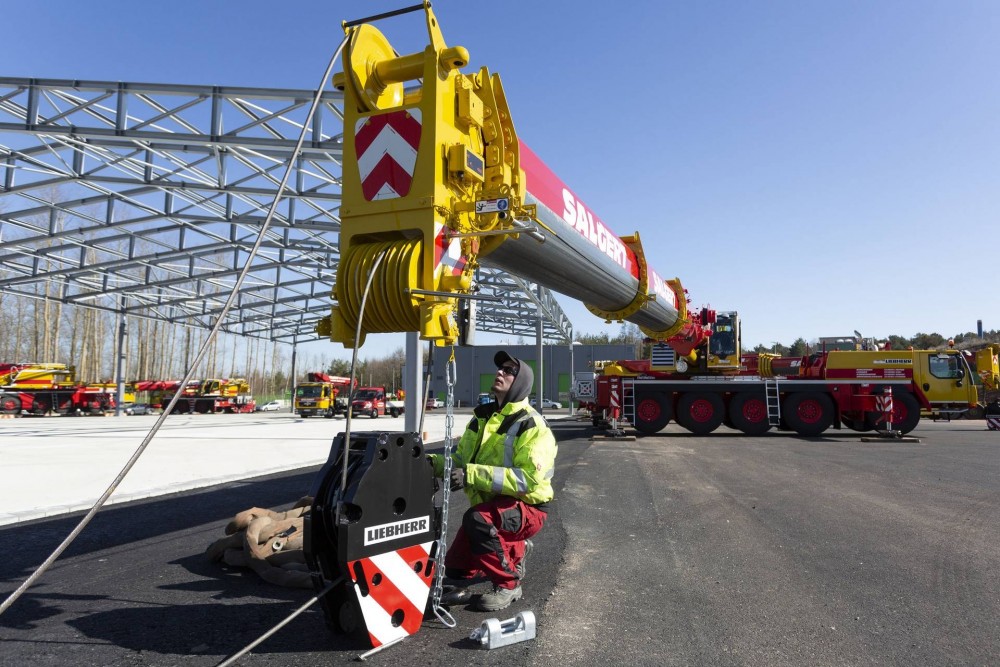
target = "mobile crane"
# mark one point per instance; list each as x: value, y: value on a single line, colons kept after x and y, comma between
x: 43, y: 388
x: 435, y: 183
x: 809, y: 394
x: 209, y: 396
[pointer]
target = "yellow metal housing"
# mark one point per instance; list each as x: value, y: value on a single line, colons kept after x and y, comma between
x: 415, y: 164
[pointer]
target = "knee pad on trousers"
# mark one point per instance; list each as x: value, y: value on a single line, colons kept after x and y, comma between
x: 481, y: 533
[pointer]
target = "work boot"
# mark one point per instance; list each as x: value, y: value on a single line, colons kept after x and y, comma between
x: 521, y: 566
x: 498, y: 598
x: 453, y: 596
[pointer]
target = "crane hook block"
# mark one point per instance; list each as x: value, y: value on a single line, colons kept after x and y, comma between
x: 374, y: 537
x: 423, y: 144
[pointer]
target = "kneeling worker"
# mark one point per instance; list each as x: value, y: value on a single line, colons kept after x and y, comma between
x: 504, y: 461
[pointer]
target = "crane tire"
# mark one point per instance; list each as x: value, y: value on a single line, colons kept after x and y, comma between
x: 978, y: 412
x: 862, y: 425
x: 652, y: 412
x: 748, y: 413
x: 701, y: 412
x: 808, y: 413
x: 10, y: 404
x: 905, y: 412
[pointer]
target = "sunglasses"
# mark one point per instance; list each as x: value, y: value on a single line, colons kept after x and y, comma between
x: 508, y: 370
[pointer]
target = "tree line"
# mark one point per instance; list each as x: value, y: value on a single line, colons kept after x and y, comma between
x: 629, y: 334
x: 39, y: 329
x: 921, y: 341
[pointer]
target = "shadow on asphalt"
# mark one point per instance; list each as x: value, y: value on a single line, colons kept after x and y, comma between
x: 228, y: 606
x: 147, y: 519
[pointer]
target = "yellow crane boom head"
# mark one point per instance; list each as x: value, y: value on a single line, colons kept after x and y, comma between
x: 426, y: 168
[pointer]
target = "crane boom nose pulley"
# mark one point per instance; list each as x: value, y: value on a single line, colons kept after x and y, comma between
x: 423, y: 170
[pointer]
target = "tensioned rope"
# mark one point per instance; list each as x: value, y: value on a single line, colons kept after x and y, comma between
x: 198, y: 358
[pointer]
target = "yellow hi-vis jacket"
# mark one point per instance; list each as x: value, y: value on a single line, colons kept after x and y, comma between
x: 510, y: 453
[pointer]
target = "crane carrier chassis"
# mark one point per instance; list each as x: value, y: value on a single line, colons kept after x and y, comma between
x: 806, y: 395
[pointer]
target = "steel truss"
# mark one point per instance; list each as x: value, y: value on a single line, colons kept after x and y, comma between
x: 145, y: 199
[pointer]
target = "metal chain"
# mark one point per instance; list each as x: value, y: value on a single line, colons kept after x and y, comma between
x: 443, y: 614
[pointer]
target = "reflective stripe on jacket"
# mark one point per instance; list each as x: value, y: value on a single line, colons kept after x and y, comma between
x: 511, y: 452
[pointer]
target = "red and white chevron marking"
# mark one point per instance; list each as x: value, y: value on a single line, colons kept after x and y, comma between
x: 386, y: 149
x: 399, y: 584
x: 614, y: 402
x: 448, y: 253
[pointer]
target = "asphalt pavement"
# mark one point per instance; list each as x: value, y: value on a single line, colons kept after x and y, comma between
x: 665, y: 550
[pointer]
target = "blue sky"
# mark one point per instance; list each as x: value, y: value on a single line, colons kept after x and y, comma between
x: 819, y: 166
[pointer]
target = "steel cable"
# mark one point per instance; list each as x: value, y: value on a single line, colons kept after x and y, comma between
x: 354, y: 361
x: 252, y: 645
x: 201, y: 352
x: 392, y: 310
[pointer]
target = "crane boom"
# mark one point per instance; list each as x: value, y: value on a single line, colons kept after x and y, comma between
x: 583, y: 259
x: 436, y: 182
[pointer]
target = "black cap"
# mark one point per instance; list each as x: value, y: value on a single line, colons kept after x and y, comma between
x: 502, y: 356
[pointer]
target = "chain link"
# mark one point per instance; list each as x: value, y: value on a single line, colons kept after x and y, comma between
x: 442, y: 614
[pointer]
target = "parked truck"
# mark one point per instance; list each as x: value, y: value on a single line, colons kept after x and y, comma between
x: 158, y: 393
x: 48, y: 388
x: 757, y: 392
x: 214, y: 395
x: 322, y: 394
x: 375, y: 402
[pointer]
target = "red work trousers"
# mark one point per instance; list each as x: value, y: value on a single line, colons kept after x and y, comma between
x: 491, y: 539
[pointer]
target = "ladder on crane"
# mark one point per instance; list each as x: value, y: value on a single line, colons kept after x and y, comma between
x: 628, y: 400
x: 773, y: 398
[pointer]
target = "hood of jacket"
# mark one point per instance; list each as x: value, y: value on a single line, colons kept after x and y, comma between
x: 525, y: 379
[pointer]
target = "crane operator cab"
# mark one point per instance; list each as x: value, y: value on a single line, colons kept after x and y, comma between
x: 724, y: 343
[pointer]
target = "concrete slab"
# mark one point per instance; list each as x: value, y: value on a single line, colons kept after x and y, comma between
x: 55, y: 465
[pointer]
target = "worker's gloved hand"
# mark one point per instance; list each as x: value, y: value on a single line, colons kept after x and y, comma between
x: 457, y: 479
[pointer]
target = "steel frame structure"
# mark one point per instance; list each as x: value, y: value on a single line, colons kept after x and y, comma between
x: 145, y: 199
